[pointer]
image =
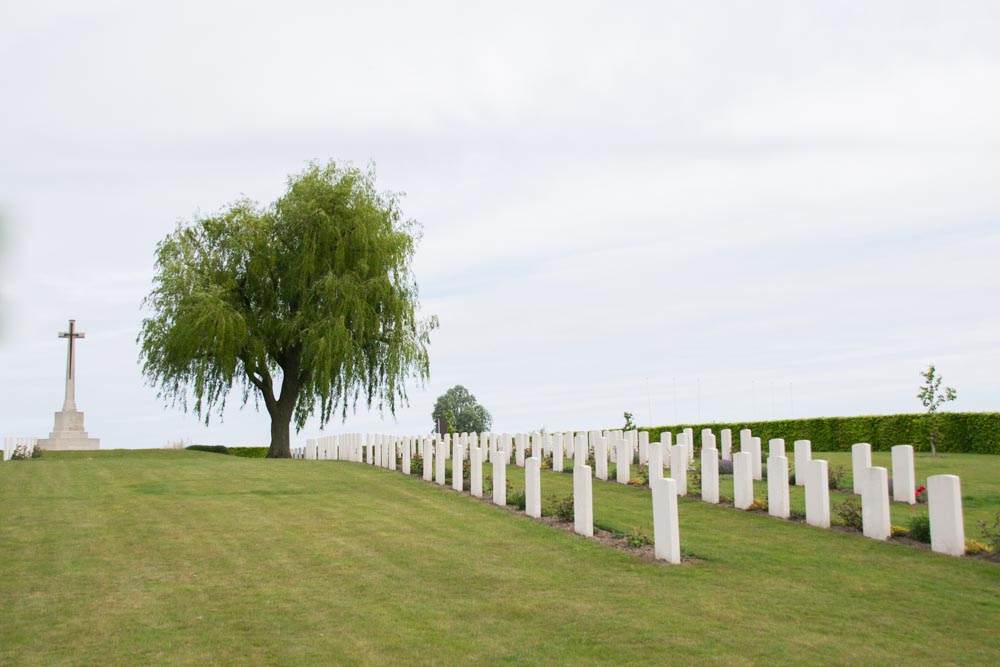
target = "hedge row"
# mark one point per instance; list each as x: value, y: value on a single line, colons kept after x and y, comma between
x: 249, y: 452
x: 970, y: 432
x: 245, y: 452
x: 215, y: 449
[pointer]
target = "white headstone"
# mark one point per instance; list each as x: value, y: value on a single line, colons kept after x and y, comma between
x: 601, y: 458
x: 655, y: 453
x: 689, y: 442
x: 944, y: 500
x: 874, y: 502
x: 778, y: 499
x: 776, y: 447
x: 499, y: 481
x: 624, y: 459
x: 428, y: 455
x: 861, y: 461
x: 903, y: 476
x: 406, y: 458
x: 533, y: 487
x: 666, y: 530
x: 666, y: 440
x: 476, y: 471
x: 758, y: 466
x: 458, y: 467
x: 632, y: 440
x: 440, y: 459
x: 745, y: 436
x: 727, y: 444
x: 803, y: 455
x: 743, y: 480
x: 520, y: 442
x: 708, y: 440
x: 557, y: 451
x: 709, y: 475
x: 817, y: 493
x: 678, y: 467
x: 583, y: 500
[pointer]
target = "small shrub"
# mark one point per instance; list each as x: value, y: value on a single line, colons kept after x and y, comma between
x: 921, y: 495
x: 25, y: 452
x: 920, y: 528
x: 975, y: 548
x: 215, y: 449
x: 848, y: 514
x: 564, y: 509
x: 694, y: 480
x: 836, y: 478
x: 417, y: 465
x: 249, y: 452
x: 641, y: 472
x: 796, y: 515
x: 547, y: 462
x: 898, y: 531
x: 637, y: 481
x: 517, y: 500
x: 725, y: 467
x: 637, y: 539
x: 758, y: 505
x: 991, y: 533
x: 686, y: 552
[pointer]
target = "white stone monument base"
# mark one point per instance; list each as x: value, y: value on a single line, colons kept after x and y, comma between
x: 68, y: 434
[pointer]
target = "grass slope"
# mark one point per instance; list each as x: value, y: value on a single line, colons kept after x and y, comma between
x: 193, y: 558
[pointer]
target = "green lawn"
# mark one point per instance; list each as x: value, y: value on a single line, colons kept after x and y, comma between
x: 193, y: 558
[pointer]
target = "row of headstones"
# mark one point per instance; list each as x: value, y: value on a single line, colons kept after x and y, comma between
x: 944, y: 494
x: 12, y: 444
x: 944, y: 497
x: 378, y: 449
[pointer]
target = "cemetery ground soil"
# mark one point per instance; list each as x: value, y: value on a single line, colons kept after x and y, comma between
x: 194, y: 558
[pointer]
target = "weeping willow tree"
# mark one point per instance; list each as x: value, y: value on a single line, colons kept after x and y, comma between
x: 307, y: 304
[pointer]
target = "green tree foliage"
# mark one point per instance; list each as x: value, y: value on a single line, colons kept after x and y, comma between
x: 460, y: 410
x: 629, y: 424
x: 932, y: 399
x: 307, y: 303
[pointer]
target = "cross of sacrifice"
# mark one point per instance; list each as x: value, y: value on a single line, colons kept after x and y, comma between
x: 72, y: 335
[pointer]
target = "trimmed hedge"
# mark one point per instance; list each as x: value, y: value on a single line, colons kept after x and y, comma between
x: 249, y: 452
x: 968, y: 432
x: 215, y: 449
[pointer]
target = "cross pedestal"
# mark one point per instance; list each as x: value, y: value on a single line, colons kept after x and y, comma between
x: 68, y: 433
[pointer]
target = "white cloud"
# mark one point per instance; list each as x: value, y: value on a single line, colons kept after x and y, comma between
x: 676, y: 209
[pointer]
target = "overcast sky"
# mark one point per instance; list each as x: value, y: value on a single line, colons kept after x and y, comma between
x: 690, y: 211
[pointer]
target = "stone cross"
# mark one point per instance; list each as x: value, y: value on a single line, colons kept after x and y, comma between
x: 69, y: 405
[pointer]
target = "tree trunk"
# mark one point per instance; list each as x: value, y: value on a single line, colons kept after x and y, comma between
x: 281, y: 421
x: 282, y: 409
x: 280, y: 441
